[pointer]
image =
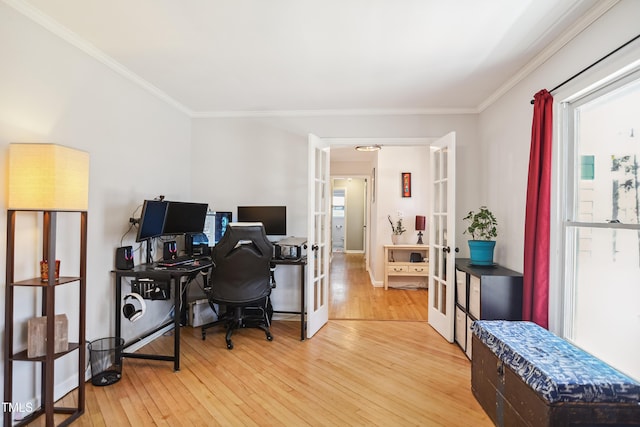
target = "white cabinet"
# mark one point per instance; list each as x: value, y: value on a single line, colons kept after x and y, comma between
x: 408, y: 263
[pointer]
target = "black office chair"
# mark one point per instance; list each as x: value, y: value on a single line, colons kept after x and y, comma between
x: 241, y: 280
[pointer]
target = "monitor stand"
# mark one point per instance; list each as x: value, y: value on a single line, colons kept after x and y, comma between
x: 149, y: 255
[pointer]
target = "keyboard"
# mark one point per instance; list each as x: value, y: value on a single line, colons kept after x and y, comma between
x: 176, y: 261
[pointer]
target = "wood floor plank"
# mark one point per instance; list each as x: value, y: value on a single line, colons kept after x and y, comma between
x: 361, y: 369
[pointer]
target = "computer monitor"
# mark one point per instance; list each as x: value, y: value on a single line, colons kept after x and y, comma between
x: 152, y: 219
x: 274, y: 218
x: 222, y: 219
x: 185, y: 217
x: 215, y: 225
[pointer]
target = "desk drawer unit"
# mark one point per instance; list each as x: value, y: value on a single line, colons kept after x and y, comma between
x: 406, y: 265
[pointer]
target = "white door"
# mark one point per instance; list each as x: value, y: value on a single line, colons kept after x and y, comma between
x: 442, y: 236
x: 319, y: 236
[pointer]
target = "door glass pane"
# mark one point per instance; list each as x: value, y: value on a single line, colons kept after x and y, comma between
x: 443, y: 298
x: 320, y: 161
x: 445, y: 154
x: 445, y: 240
x: 436, y: 299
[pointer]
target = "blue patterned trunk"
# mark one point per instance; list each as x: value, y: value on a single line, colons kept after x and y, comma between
x: 524, y: 375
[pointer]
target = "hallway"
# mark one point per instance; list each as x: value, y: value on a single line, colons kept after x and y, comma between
x: 351, y: 295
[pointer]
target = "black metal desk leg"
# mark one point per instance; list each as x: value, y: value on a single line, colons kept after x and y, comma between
x: 177, y: 285
x: 118, y: 318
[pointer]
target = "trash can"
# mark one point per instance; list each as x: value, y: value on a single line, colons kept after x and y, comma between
x: 106, y: 367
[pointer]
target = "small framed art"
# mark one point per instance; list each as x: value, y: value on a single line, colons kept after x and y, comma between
x: 406, y: 184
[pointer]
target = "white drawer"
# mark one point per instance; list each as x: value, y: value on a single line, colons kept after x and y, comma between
x: 461, y: 288
x: 469, y: 334
x: 474, y: 297
x: 391, y: 269
x: 419, y: 269
x: 461, y: 328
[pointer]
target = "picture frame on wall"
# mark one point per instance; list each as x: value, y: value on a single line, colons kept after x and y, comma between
x: 406, y: 184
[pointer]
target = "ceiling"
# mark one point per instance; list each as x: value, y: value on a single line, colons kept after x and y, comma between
x: 247, y: 57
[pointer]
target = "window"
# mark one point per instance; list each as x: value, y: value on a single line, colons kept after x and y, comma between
x: 601, y: 225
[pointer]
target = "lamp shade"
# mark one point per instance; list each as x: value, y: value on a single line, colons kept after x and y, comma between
x: 48, y: 177
x: 420, y: 222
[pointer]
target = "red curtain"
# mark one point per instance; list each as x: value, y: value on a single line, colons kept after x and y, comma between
x: 537, y: 220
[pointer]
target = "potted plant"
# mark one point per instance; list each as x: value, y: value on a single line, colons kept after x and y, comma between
x: 483, y: 229
x: 396, y: 229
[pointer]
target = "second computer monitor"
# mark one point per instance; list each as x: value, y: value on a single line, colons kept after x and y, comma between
x: 274, y: 218
x: 185, y: 217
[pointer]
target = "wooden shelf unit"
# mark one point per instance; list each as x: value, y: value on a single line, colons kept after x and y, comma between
x: 48, y: 291
x: 397, y: 262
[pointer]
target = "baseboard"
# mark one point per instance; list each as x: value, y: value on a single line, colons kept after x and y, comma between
x: 374, y: 282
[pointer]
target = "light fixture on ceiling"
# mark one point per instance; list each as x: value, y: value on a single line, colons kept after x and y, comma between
x: 375, y: 147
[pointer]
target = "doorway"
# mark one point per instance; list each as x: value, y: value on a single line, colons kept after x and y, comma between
x: 356, y: 283
x: 348, y: 214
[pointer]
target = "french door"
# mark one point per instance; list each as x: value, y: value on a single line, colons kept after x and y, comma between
x: 319, y: 236
x: 442, y: 236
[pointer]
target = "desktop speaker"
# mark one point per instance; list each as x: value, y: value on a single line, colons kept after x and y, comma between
x: 124, y: 258
x: 170, y: 250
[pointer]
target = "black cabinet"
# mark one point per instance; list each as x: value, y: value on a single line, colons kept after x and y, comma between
x: 488, y: 293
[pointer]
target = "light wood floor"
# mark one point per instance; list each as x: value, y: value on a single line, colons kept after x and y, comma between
x: 353, y: 372
x: 353, y: 297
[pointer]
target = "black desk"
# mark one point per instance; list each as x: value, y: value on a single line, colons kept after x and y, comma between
x: 302, y: 262
x: 174, y: 276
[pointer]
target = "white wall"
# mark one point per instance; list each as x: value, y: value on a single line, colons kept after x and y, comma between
x: 392, y: 161
x: 139, y: 147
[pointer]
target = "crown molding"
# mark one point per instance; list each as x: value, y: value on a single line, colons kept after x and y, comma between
x: 325, y: 113
x: 554, y: 47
